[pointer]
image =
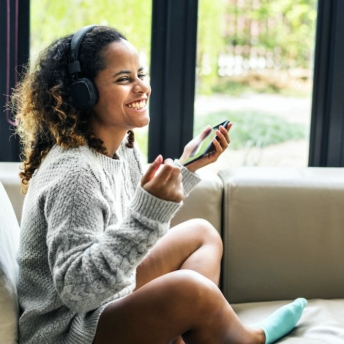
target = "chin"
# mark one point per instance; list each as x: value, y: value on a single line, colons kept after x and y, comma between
x: 142, y: 122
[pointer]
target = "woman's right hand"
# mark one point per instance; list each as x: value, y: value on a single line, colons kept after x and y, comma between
x: 164, y: 181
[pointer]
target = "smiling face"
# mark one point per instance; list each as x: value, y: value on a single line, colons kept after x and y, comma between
x: 123, y: 91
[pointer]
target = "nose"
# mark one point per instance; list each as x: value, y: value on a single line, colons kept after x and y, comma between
x: 141, y: 86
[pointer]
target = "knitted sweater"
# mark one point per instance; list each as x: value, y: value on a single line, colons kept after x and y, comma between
x: 86, y: 225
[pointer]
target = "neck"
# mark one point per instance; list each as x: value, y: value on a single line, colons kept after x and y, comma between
x: 112, y: 137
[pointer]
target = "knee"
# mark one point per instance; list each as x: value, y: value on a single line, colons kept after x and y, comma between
x: 208, y: 233
x: 188, y: 287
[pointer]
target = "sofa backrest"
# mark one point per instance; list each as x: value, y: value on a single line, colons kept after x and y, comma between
x: 283, y: 233
x: 204, y: 201
x: 9, y: 242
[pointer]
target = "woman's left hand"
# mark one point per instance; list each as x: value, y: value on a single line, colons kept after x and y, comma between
x: 220, y: 146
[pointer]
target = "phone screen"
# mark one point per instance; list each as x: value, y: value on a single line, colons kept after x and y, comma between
x: 205, y: 146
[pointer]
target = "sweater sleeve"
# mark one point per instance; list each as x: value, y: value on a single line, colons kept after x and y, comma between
x: 190, y: 180
x: 89, y: 260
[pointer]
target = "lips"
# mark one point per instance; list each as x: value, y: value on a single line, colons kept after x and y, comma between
x: 137, y: 105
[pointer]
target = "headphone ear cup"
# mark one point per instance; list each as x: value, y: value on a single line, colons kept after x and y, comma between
x: 84, y: 94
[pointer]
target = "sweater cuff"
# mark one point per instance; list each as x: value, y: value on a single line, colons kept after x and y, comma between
x: 153, y: 207
x: 190, y: 179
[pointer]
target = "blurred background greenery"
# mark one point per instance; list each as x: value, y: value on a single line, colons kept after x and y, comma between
x: 244, y: 47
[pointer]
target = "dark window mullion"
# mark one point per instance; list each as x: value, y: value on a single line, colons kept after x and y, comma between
x: 173, y: 59
x: 14, y: 45
x: 336, y: 95
x: 327, y: 127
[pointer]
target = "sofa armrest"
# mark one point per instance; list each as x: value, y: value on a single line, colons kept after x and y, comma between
x: 283, y: 233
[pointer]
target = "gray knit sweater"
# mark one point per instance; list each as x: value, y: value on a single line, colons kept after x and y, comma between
x: 86, y: 225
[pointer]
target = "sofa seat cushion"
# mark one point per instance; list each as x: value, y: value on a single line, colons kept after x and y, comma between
x: 322, y: 321
x: 9, y: 242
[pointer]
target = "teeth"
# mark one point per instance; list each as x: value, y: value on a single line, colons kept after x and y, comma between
x: 138, y: 105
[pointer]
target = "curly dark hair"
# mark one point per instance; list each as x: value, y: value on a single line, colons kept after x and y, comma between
x: 42, y: 102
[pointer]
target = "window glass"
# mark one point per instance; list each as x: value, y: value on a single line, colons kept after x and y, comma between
x: 254, y: 67
x: 53, y: 19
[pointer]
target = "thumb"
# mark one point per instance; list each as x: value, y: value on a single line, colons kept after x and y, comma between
x: 150, y: 173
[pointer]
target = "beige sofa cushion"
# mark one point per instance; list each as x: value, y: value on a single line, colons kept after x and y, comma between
x: 204, y: 201
x: 283, y: 234
x: 322, y: 321
x: 9, y: 242
x: 9, y: 177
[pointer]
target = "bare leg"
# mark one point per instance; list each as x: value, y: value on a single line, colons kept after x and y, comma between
x: 168, y: 303
x: 181, y: 302
x: 177, y: 295
x: 193, y: 245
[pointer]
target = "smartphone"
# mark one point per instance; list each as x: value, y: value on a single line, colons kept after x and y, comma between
x: 205, y: 146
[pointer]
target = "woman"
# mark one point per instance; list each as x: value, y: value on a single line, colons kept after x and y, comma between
x: 98, y: 263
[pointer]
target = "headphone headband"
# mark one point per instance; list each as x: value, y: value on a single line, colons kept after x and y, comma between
x: 74, y: 65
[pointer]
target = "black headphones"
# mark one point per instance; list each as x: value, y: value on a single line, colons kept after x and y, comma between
x: 83, y: 91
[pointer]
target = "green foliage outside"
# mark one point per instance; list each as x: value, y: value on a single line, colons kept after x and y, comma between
x: 210, y: 42
x: 254, y: 128
x: 53, y: 19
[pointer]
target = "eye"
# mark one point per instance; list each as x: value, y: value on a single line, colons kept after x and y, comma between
x: 142, y: 76
x: 123, y: 79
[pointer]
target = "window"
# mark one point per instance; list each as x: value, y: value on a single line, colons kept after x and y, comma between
x: 176, y: 19
x: 254, y: 66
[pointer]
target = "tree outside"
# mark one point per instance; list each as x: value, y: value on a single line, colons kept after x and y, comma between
x: 53, y: 19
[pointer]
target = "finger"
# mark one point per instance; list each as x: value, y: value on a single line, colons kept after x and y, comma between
x: 150, y: 173
x: 194, y: 145
x: 166, y: 170
x: 224, y: 132
x: 229, y: 126
x: 218, y: 147
x: 205, y: 132
x: 222, y: 139
x: 168, y: 161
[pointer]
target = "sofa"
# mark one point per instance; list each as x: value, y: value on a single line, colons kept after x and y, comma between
x: 283, y: 237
